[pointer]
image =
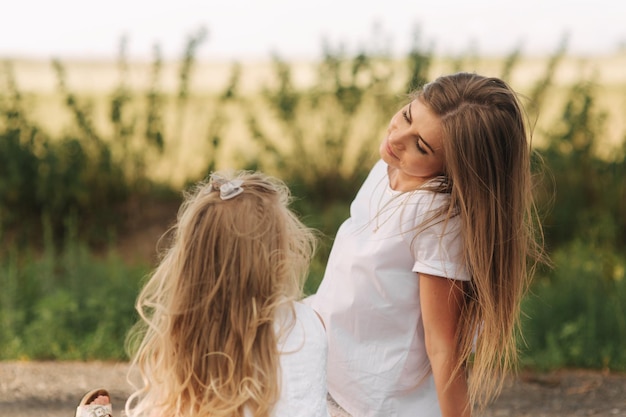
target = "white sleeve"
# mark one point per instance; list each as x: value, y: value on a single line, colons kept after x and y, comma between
x: 438, y: 250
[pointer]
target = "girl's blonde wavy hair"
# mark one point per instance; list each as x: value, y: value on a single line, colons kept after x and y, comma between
x: 487, y: 150
x: 208, y: 345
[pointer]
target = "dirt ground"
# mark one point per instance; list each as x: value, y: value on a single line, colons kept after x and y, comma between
x: 52, y: 389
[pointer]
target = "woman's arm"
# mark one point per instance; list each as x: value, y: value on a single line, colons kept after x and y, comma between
x: 441, y: 300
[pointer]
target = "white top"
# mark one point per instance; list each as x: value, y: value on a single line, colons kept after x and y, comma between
x: 369, y: 299
x: 303, y: 364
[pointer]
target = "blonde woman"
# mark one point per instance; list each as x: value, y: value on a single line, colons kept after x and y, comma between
x: 223, y: 333
x: 424, y: 280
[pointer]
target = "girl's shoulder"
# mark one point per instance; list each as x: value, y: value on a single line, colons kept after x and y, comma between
x: 377, y: 174
x: 307, y: 316
x: 301, y: 314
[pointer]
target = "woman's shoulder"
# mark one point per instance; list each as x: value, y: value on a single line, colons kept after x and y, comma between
x: 378, y: 171
x: 427, y: 200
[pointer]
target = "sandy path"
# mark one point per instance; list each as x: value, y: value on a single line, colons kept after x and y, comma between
x: 51, y: 389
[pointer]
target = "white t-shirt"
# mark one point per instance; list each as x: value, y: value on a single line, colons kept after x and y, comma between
x: 303, y: 364
x: 369, y: 299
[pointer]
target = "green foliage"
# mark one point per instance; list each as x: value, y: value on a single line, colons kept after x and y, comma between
x: 83, y: 173
x: 19, y: 141
x: 40, y: 177
x: 589, y: 196
x: 576, y: 317
x: 576, y: 311
x: 66, y: 304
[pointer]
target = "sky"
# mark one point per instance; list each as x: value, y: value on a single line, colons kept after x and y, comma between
x: 296, y: 29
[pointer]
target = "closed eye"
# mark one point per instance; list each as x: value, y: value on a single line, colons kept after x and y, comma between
x: 425, y: 143
x: 419, y: 147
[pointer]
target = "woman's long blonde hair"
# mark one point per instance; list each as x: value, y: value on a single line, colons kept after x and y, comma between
x: 208, y: 345
x: 487, y: 151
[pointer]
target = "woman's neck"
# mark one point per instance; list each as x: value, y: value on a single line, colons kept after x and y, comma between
x: 399, y: 182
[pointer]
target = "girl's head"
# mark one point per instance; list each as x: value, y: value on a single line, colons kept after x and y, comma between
x: 238, y: 243
x: 238, y: 257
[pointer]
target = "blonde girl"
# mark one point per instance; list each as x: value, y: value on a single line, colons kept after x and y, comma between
x: 223, y: 333
x: 424, y: 281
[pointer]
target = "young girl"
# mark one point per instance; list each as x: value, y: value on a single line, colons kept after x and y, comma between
x: 427, y: 274
x: 223, y: 332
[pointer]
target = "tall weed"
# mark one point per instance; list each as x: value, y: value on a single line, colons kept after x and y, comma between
x: 20, y: 142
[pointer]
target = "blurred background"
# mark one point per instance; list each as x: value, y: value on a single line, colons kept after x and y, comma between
x: 109, y: 110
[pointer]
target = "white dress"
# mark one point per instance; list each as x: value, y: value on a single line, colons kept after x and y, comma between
x: 303, y: 364
x: 369, y: 299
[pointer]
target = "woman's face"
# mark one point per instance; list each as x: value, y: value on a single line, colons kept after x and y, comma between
x: 413, y: 147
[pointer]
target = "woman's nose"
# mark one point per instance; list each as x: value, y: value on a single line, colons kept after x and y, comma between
x: 395, y: 139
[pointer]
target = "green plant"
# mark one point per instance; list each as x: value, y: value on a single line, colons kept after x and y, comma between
x: 585, y: 201
x: 576, y: 316
x: 20, y: 141
x: 67, y: 304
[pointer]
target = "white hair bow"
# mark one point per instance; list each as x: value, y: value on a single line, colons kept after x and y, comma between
x: 227, y: 189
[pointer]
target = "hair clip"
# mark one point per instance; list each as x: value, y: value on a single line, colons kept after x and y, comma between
x: 227, y: 189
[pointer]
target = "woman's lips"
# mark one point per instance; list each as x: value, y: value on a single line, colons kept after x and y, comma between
x: 389, y: 150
